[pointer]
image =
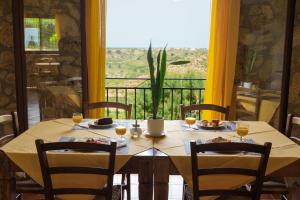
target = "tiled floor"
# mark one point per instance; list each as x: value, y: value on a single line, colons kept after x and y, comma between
x: 175, y: 190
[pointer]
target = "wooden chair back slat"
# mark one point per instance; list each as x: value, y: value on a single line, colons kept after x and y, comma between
x: 5, y: 139
x: 16, y: 125
x: 5, y: 118
x: 78, y: 170
x: 79, y: 191
x: 125, y: 107
x: 291, y: 121
x: 296, y: 140
x: 221, y: 147
x: 232, y: 171
x: 224, y: 192
x: 50, y: 192
x: 201, y: 107
x: 263, y: 151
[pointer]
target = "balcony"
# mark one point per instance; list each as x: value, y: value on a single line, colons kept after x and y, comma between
x: 176, y: 91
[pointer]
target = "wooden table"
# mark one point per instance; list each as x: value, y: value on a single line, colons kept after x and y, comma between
x: 152, y: 166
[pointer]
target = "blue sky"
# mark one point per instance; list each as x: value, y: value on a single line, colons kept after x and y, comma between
x: 180, y: 23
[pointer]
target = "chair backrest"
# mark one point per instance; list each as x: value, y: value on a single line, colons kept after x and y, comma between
x: 15, y: 121
x: 47, y: 171
x: 125, y: 107
x: 5, y: 139
x: 259, y: 174
x: 200, y: 107
x: 291, y: 120
x: 6, y: 119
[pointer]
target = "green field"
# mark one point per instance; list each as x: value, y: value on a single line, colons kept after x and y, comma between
x: 132, y: 63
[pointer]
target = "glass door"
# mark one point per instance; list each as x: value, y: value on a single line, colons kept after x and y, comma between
x: 260, y: 60
x: 53, y: 54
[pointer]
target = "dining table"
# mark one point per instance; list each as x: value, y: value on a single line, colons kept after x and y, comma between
x: 152, y: 158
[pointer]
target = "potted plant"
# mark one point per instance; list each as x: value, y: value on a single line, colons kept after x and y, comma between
x: 157, y: 76
x: 248, y: 68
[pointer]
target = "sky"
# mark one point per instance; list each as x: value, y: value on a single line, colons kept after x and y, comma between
x: 178, y: 23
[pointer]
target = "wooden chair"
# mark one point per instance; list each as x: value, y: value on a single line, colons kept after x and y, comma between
x: 291, y: 121
x: 126, y: 108
x: 259, y: 174
x: 24, y: 184
x: 5, y: 119
x: 47, y: 171
x: 200, y: 107
x: 279, y: 186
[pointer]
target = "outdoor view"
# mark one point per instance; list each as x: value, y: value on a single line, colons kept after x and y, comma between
x: 182, y: 25
x: 40, y: 34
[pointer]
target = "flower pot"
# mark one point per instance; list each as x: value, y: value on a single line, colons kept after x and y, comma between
x: 247, y: 84
x: 155, y: 126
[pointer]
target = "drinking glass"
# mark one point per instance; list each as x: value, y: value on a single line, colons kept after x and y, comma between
x: 190, y: 121
x: 77, y: 118
x: 121, y: 131
x: 242, y: 129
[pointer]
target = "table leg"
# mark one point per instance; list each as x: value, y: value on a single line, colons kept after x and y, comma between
x: 161, y: 178
x: 146, y: 178
x: 7, y: 180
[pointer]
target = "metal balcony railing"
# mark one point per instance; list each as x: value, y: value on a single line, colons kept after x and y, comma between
x: 176, y: 91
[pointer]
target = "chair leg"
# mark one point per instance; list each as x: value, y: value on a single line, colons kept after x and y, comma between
x: 123, y: 185
x: 128, y: 189
x: 183, y: 190
x: 126, y: 186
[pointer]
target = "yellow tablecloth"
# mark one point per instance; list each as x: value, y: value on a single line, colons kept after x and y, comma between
x: 283, y: 153
x: 22, y: 152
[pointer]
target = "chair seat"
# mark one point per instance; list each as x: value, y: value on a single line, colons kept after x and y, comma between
x: 116, y: 193
x: 28, y: 186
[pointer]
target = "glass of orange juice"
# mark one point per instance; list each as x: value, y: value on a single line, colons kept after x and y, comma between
x: 77, y: 118
x: 242, y: 129
x: 121, y: 131
x: 190, y: 121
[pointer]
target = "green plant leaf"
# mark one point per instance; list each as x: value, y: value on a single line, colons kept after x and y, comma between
x: 163, y: 69
x: 180, y: 62
x: 158, y: 68
x: 152, y: 79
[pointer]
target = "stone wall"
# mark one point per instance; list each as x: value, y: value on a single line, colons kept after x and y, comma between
x: 294, y: 95
x: 7, y: 68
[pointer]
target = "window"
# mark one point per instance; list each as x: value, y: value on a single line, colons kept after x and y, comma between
x: 40, y: 34
x: 182, y: 25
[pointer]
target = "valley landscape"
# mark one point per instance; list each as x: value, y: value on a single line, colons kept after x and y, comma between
x: 124, y: 65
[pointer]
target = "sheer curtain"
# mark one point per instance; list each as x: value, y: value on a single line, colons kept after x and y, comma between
x: 222, y: 54
x: 96, y: 52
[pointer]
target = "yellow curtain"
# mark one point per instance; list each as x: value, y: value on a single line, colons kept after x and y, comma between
x: 222, y: 54
x: 58, y: 26
x: 96, y: 44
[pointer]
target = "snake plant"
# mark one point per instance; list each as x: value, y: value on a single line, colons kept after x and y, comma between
x: 157, y: 76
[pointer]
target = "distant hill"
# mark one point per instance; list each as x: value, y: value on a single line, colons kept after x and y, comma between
x: 132, y: 63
